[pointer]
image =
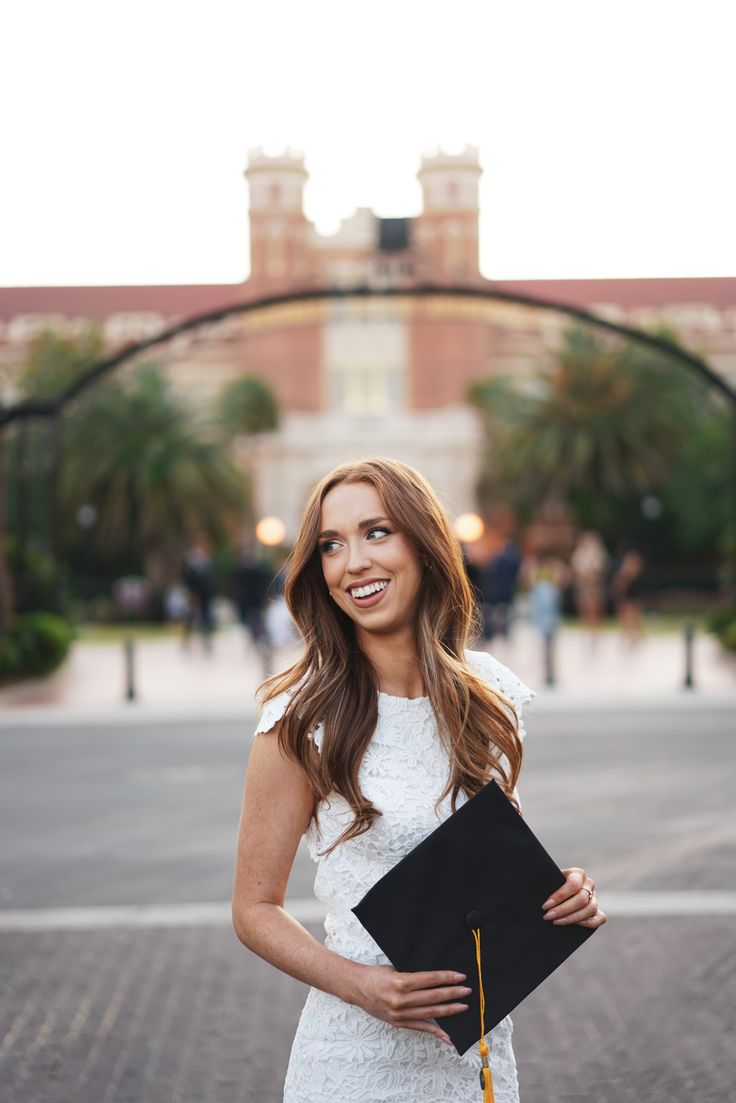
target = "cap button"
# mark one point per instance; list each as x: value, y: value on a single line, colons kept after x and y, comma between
x: 473, y: 919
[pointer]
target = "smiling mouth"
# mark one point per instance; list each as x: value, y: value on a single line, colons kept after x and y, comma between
x: 369, y: 599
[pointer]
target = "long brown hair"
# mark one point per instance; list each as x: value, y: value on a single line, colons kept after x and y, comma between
x: 338, y: 681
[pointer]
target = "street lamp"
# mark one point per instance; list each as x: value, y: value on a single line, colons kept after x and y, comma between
x: 469, y: 527
x: 270, y: 531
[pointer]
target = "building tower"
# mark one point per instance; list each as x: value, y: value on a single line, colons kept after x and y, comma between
x: 447, y: 228
x: 279, y: 251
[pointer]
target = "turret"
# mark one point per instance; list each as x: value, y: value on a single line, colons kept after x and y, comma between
x: 447, y: 229
x: 278, y: 227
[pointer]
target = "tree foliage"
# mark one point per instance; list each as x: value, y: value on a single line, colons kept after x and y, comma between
x: 55, y: 362
x: 150, y: 467
x: 247, y: 406
x: 605, y: 426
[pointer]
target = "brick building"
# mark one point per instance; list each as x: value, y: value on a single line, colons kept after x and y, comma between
x: 364, y: 376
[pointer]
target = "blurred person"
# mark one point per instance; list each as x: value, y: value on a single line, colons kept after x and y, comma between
x: 378, y: 588
x: 251, y: 581
x: 499, y: 589
x: 589, y: 565
x: 177, y: 604
x: 199, y: 580
x: 626, y: 589
x: 547, y: 575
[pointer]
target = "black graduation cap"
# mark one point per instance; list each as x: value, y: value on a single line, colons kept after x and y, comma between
x: 469, y: 899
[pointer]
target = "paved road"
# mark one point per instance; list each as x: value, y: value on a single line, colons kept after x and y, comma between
x: 130, y: 815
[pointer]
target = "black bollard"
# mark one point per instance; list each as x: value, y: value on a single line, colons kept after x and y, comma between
x: 129, y: 645
x: 689, y: 636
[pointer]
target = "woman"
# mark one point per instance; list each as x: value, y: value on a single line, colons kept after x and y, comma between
x: 626, y: 590
x: 589, y: 563
x: 378, y: 589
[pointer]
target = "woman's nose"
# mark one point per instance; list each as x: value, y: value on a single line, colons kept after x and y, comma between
x: 357, y: 558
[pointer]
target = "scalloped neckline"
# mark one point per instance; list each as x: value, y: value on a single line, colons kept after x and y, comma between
x: 393, y: 697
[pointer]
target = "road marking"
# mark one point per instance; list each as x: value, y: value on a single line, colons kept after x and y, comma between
x: 99, y: 917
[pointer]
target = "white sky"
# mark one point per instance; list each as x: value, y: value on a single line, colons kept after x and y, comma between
x: 606, y: 129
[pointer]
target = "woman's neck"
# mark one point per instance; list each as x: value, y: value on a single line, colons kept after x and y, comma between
x: 395, y: 660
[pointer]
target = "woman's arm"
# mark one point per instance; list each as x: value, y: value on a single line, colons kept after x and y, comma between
x: 277, y: 807
x: 275, y: 813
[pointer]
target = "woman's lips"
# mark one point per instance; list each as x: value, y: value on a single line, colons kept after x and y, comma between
x: 372, y: 599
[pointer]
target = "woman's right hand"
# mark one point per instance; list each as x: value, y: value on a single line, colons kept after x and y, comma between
x: 410, y: 999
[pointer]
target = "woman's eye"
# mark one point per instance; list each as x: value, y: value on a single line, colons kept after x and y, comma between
x: 325, y: 546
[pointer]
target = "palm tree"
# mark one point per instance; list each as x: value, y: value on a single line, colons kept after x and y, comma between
x: 154, y: 472
x: 604, y: 418
x: 53, y: 362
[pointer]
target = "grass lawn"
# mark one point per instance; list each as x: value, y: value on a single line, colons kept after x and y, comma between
x: 116, y: 633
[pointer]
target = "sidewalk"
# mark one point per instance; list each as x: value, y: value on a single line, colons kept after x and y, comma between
x: 172, y: 681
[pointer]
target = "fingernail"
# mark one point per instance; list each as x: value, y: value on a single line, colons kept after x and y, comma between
x: 460, y: 976
x: 547, y: 903
x: 549, y: 915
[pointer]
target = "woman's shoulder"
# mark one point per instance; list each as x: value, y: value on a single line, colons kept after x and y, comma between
x: 275, y: 707
x: 272, y: 710
x: 500, y: 678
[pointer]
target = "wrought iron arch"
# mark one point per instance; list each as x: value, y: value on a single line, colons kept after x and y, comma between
x: 50, y: 407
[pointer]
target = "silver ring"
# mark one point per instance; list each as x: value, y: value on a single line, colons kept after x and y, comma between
x: 590, y: 894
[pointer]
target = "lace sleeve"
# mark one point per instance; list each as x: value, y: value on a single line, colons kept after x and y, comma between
x: 274, y: 709
x: 508, y: 684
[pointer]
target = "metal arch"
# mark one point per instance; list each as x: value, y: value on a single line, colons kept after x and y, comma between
x: 50, y: 407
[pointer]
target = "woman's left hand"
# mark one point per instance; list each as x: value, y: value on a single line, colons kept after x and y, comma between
x: 572, y: 903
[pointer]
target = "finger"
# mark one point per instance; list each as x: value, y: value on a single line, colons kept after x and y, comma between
x: 429, y: 1011
x: 432, y: 978
x: 578, y: 903
x: 574, y: 879
x: 427, y: 1028
x: 596, y: 920
x: 424, y: 996
x: 577, y: 917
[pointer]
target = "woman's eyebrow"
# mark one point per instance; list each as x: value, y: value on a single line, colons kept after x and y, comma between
x: 361, y: 525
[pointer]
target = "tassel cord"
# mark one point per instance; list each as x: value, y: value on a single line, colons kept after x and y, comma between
x: 486, y: 1080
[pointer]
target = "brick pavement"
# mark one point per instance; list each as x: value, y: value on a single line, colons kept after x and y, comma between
x: 645, y: 1011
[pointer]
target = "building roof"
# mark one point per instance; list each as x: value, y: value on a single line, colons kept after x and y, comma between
x: 177, y: 300
x: 185, y: 300
x: 718, y: 291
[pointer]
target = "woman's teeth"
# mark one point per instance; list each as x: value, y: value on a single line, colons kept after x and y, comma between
x: 364, y: 591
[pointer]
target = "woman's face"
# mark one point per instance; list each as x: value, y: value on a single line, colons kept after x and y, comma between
x: 359, y: 545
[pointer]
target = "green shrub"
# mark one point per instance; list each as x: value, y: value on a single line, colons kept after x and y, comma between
x: 718, y: 619
x: 722, y: 623
x: 34, y: 575
x: 36, y: 644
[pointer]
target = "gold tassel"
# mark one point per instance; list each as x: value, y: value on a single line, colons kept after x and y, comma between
x: 486, y: 1080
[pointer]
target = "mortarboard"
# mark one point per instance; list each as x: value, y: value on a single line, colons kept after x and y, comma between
x: 469, y: 899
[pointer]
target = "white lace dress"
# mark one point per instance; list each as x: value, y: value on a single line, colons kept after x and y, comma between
x: 340, y: 1053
